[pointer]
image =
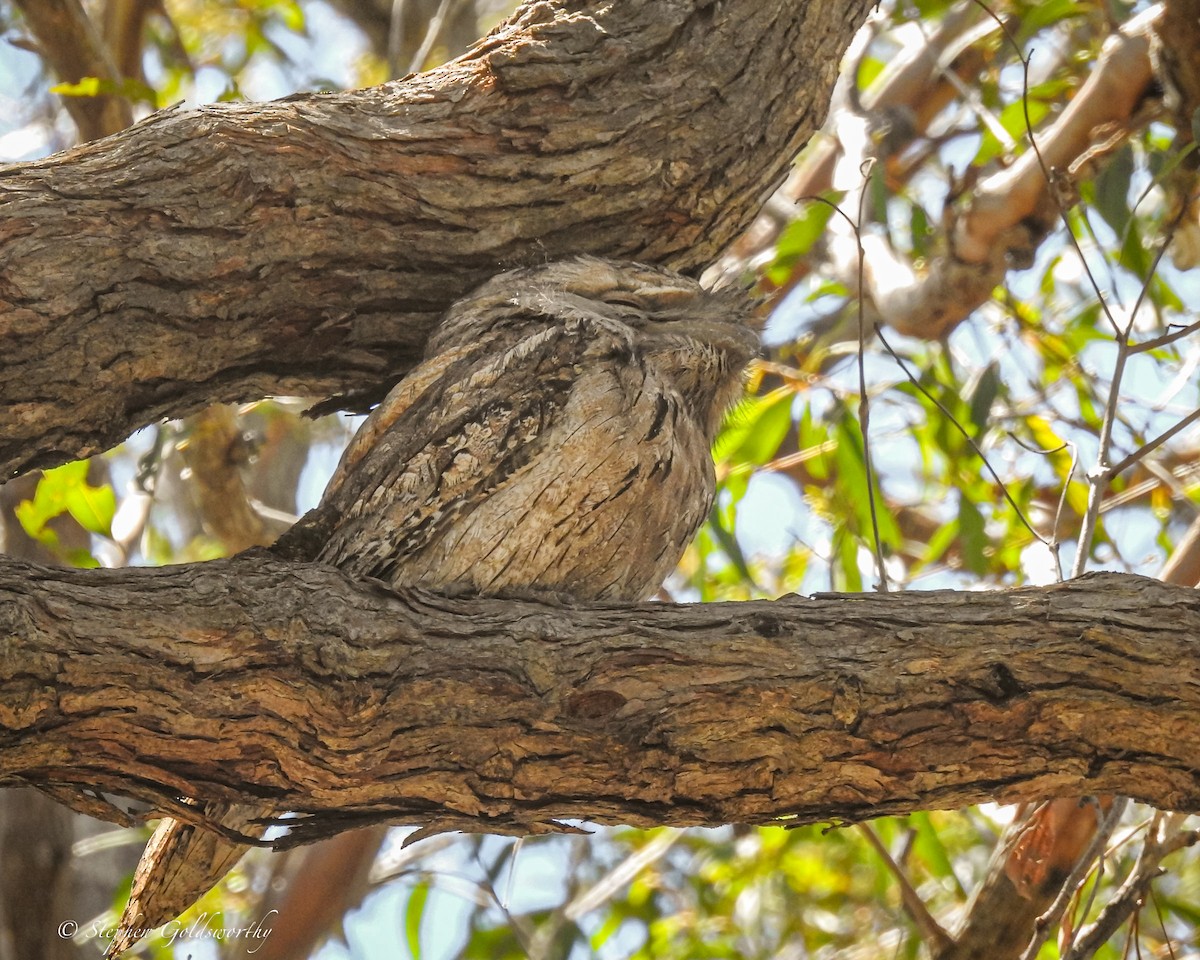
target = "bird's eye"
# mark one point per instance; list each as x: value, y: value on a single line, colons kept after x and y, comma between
x: 631, y: 302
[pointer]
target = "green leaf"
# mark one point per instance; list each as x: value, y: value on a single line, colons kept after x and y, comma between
x: 851, y: 467
x: 798, y: 237
x: 1134, y: 256
x: 755, y: 429
x: 231, y: 94
x: 82, y: 559
x: 918, y: 225
x: 1164, y: 295
x: 1012, y: 119
x: 33, y: 521
x: 983, y: 396
x: 810, y: 434
x: 49, y: 499
x: 827, y: 288
x: 92, y: 507
x: 932, y: 851
x: 974, y: 538
x: 868, y: 71
x: 84, y: 87
x: 938, y: 544
x: 291, y: 15
x: 794, y: 568
x: 414, y: 912
x: 1112, y: 190
x: 1162, y: 164
x: 846, y: 550
x: 127, y: 87
x: 852, y: 482
x: 62, y: 490
x: 722, y: 534
x: 612, y: 923
x: 1038, y: 15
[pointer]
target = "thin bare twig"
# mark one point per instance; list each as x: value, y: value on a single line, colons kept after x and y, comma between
x: 1133, y: 891
x: 864, y: 403
x: 1053, y: 544
x: 937, y: 939
x: 1045, y: 923
x: 963, y: 430
x: 864, y: 409
x: 1098, y: 477
x: 431, y: 35
x: 1158, y: 441
x: 1165, y: 340
x: 1102, y: 474
x: 395, y: 38
x: 625, y: 871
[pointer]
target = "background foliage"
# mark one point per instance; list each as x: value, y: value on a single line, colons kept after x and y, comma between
x: 1002, y: 431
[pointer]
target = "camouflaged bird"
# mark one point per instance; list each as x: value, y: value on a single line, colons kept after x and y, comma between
x: 556, y: 438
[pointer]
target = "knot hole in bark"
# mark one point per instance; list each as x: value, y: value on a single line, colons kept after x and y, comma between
x: 998, y: 683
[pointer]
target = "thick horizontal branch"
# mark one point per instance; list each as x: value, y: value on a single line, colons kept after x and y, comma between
x: 256, y: 679
x: 306, y: 246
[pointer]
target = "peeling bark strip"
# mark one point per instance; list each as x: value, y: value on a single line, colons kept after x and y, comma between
x: 258, y: 679
x: 306, y: 246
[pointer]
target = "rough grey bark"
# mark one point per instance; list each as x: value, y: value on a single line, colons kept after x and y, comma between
x: 306, y: 246
x: 259, y: 680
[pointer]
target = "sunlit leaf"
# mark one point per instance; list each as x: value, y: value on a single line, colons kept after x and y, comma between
x: 938, y: 544
x: 755, y: 428
x: 798, y: 237
x: 918, y: 225
x: 1134, y: 256
x: 973, y: 536
x: 986, y: 390
x: 414, y: 913
x: 128, y: 87
x: 1112, y: 190
x: 929, y: 846
x: 1012, y: 120
x: 1042, y: 14
x: 65, y: 489
x: 92, y: 507
x: 83, y: 87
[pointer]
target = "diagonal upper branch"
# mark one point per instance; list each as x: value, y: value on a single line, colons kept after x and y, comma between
x: 254, y: 678
x: 306, y: 246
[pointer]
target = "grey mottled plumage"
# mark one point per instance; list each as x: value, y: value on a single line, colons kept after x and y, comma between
x: 555, y: 438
